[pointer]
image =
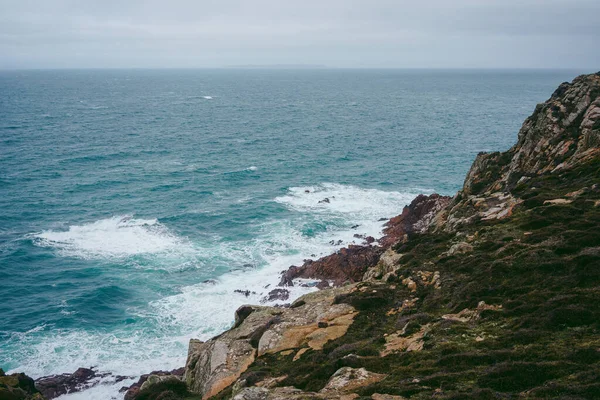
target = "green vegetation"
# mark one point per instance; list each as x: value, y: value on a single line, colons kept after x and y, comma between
x: 542, y: 266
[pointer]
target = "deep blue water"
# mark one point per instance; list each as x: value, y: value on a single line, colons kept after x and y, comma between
x: 121, y: 192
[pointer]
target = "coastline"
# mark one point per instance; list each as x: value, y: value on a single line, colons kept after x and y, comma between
x: 500, y: 195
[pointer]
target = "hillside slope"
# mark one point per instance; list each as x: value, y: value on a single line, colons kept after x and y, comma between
x: 493, y: 294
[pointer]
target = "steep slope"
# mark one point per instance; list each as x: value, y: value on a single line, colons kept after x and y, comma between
x: 493, y: 296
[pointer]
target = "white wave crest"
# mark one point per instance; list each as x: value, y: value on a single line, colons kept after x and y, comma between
x: 355, y: 205
x: 119, y: 236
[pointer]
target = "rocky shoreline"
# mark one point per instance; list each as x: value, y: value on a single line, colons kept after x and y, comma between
x: 489, y: 294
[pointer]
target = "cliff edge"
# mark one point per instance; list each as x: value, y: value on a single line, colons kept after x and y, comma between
x: 491, y: 294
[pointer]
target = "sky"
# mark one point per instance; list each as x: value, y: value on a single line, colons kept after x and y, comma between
x: 333, y: 33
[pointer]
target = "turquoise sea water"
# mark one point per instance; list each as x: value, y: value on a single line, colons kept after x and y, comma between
x: 133, y: 203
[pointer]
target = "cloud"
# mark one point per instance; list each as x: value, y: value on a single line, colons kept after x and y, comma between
x: 344, y: 33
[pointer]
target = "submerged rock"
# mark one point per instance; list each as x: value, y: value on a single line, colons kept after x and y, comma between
x: 276, y: 294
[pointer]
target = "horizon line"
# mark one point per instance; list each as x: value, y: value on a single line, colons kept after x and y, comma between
x: 302, y: 67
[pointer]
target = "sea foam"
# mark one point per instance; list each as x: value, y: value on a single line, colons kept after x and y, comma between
x: 159, y: 338
x: 119, y: 236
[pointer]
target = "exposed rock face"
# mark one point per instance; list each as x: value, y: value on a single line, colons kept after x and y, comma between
x: 562, y: 132
x: 217, y: 363
x: 18, y: 387
x: 57, y: 385
x: 347, y: 265
x: 416, y: 217
x: 312, y: 321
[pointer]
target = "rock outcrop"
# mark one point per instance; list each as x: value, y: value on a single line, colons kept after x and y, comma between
x: 562, y: 132
x: 417, y: 217
x: 18, y: 387
x: 348, y: 265
x: 309, y: 323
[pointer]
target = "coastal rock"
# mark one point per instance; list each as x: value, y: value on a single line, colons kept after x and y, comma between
x: 214, y: 365
x: 57, y: 385
x: 397, y: 342
x: 460, y: 248
x: 339, y: 387
x: 132, y: 391
x: 562, y: 132
x: 312, y: 321
x: 18, y: 387
x: 377, y: 396
x: 387, y: 264
x: 347, y: 265
x: 417, y: 327
x: 421, y: 213
x: 312, y: 324
x: 276, y: 294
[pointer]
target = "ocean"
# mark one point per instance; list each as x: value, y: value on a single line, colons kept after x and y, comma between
x: 134, y: 203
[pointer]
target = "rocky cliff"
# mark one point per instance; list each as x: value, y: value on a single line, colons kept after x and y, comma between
x: 492, y: 294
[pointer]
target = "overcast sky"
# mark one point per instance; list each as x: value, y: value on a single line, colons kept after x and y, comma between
x: 335, y: 33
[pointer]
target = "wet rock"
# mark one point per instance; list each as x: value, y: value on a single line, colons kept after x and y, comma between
x: 57, y: 385
x: 325, y: 200
x: 355, y: 227
x: 347, y: 265
x: 276, y: 294
x: 370, y: 239
x: 246, y: 293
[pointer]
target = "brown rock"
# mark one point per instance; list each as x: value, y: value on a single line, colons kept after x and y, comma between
x: 57, y: 385
x: 416, y: 217
x: 347, y: 265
